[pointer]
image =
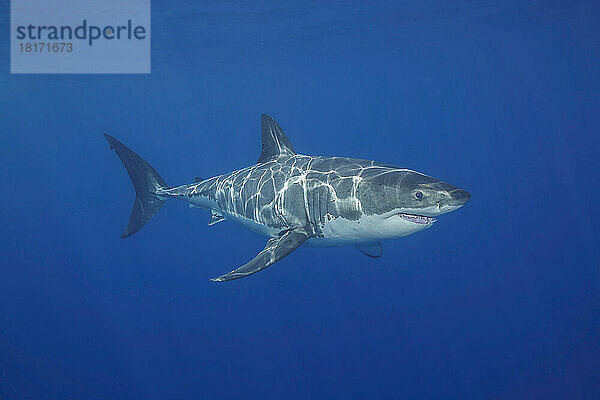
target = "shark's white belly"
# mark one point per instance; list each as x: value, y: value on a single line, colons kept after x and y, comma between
x: 369, y: 228
x: 254, y: 226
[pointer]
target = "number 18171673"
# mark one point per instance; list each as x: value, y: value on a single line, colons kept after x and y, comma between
x: 43, y: 47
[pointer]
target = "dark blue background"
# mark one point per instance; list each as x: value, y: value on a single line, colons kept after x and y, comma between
x: 499, y: 300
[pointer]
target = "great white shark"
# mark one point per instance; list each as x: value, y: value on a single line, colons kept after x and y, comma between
x: 295, y: 199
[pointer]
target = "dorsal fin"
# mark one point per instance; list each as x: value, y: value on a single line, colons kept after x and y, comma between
x: 274, y: 141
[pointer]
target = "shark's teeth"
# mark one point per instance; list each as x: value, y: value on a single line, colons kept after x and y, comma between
x: 417, y: 219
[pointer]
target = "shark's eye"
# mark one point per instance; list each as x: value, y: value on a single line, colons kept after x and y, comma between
x: 419, y: 195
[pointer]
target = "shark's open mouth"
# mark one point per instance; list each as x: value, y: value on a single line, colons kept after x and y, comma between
x: 417, y: 219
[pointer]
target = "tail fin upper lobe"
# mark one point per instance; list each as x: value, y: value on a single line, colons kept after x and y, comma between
x: 146, y: 182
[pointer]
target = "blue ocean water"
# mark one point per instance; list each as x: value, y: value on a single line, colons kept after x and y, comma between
x: 500, y: 299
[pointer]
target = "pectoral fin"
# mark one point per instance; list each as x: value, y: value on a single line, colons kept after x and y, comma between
x: 275, y: 250
x: 372, y: 249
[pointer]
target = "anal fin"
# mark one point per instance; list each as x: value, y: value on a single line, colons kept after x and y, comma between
x: 275, y: 250
x: 371, y: 249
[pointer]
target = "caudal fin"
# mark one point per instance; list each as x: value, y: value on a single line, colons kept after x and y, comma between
x: 146, y: 182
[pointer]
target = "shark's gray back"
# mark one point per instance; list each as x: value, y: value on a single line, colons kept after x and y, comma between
x: 270, y: 193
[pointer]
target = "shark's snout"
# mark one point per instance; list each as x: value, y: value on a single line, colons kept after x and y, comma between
x: 459, y: 197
